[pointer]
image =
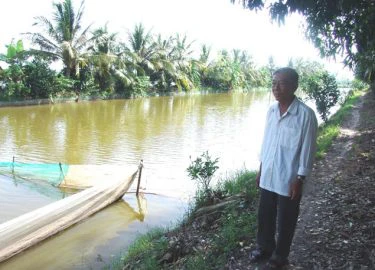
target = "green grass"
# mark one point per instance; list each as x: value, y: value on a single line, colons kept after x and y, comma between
x: 330, y: 130
x: 144, y: 250
x: 237, y: 222
x: 239, y: 182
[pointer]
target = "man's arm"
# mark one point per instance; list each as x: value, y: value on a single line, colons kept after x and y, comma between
x: 307, y: 156
x: 257, y: 178
x: 308, y: 148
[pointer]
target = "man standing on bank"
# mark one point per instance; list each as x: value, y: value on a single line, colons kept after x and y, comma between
x: 287, y: 156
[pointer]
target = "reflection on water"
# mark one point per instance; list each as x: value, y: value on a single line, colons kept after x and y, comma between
x: 163, y: 131
x: 18, y: 197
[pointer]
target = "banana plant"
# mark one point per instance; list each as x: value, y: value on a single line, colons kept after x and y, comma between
x: 15, y: 53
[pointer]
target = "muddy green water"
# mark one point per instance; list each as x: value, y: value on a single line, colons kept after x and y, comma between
x: 163, y: 131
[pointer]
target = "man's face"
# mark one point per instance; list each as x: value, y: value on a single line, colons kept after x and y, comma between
x: 283, y: 87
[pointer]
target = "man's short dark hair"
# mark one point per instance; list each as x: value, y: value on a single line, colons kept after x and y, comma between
x: 290, y: 72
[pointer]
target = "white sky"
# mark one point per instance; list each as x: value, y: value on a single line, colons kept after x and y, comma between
x: 217, y: 23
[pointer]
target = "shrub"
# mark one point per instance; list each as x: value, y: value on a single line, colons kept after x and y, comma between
x: 202, y: 170
x: 141, y: 86
x: 322, y: 87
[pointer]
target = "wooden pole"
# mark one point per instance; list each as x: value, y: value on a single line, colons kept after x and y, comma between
x: 13, y: 165
x: 139, y: 176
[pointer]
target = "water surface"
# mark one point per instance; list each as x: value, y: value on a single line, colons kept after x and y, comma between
x: 163, y: 131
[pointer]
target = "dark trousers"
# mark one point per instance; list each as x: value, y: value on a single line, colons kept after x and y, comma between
x: 272, y: 207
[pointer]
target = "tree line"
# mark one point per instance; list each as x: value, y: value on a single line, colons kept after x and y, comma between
x: 96, y: 62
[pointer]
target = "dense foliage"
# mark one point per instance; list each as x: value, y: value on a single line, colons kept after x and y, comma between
x: 28, y: 79
x: 335, y: 26
x: 318, y: 85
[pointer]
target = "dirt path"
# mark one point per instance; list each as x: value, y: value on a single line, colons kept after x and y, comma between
x: 336, y: 229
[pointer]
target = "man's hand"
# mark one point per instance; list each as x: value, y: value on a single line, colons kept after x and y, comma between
x: 295, y: 189
x: 257, y: 179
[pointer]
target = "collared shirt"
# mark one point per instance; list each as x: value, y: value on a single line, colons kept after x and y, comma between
x: 289, y: 146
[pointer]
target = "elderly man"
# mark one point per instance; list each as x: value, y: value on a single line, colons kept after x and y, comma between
x: 287, y: 156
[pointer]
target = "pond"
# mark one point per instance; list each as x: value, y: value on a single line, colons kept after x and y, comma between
x: 165, y: 132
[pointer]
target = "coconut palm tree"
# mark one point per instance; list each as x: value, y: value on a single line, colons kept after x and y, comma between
x: 142, y: 50
x: 252, y: 76
x: 103, y: 41
x: 135, y: 59
x: 182, y: 58
x: 103, y: 57
x: 205, y: 64
x: 166, y: 71
x: 183, y: 50
x: 205, y: 54
x: 63, y: 37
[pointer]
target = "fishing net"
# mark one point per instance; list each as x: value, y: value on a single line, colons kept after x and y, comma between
x: 29, y: 229
x: 53, y: 173
x: 62, y: 175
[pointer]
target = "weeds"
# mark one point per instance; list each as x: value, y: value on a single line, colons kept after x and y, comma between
x: 143, y: 252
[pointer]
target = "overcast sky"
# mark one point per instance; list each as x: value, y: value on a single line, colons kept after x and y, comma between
x: 217, y: 23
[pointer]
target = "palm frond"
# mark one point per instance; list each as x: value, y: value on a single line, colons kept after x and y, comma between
x: 44, y: 54
x: 82, y: 41
x: 77, y: 25
x: 48, y: 27
x: 127, y: 80
x: 43, y: 42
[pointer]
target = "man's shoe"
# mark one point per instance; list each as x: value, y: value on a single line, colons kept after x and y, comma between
x: 276, y: 263
x: 258, y: 255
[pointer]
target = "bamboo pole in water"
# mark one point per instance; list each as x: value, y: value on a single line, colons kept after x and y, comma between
x: 139, y: 176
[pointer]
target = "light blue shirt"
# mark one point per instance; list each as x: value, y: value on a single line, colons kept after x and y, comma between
x: 289, y: 146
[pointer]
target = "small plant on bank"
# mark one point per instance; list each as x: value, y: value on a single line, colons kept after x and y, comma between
x: 202, y: 170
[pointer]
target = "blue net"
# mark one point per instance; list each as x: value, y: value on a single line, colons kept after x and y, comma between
x: 52, y: 173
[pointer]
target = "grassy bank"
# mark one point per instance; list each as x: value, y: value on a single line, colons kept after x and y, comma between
x: 330, y: 130
x: 206, y: 236
x: 215, y: 230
